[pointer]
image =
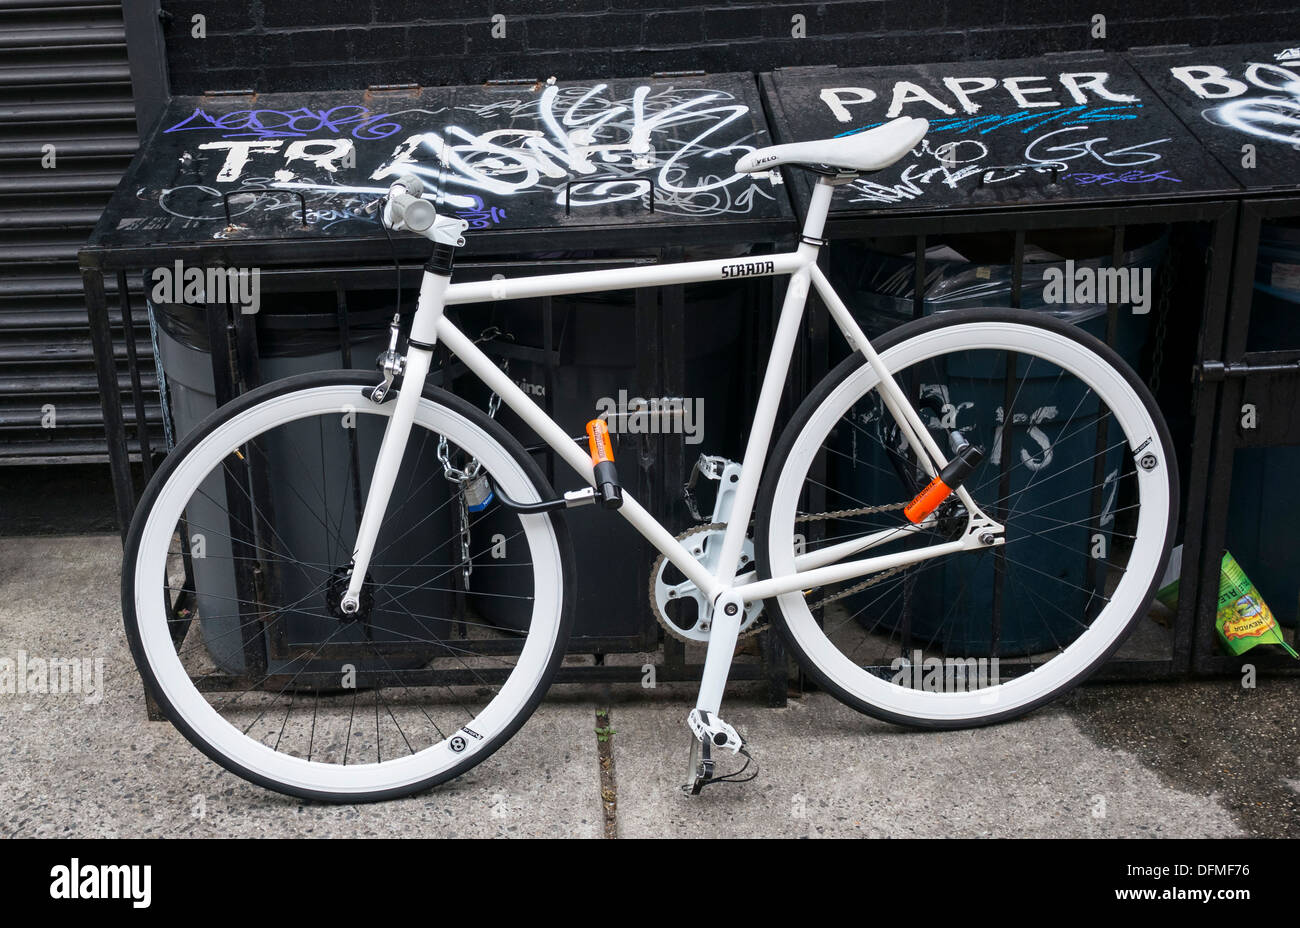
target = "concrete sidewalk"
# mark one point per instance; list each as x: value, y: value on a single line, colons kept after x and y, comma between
x: 1188, y: 759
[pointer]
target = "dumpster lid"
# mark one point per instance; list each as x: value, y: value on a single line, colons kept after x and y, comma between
x: 1231, y: 96
x: 502, y: 156
x: 1062, y: 129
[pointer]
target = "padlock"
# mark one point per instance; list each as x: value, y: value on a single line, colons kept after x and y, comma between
x: 478, y: 493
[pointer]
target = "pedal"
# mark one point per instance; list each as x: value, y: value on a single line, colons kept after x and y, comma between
x: 609, y: 491
x: 712, y: 731
x: 700, y: 773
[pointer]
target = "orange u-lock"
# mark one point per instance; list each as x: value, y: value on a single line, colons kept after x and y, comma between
x: 608, y: 488
x: 938, y: 489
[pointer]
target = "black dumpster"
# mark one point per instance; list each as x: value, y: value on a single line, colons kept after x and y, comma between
x: 1026, y: 163
x: 883, y: 295
x: 551, y: 177
x: 1240, y: 102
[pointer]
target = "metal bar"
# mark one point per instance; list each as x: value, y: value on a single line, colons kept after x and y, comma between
x: 1100, y: 445
x: 569, y: 184
x: 1198, y: 468
x: 1004, y: 452
x: 566, y: 674
x: 550, y: 360
x: 918, y: 278
x: 660, y: 371
x: 952, y: 221
x: 672, y: 365
x: 227, y: 194
x: 345, y: 330
x: 342, y: 249
x: 146, y: 54
x: 1231, y: 340
x: 133, y: 371
x: 1220, y: 371
x: 110, y: 397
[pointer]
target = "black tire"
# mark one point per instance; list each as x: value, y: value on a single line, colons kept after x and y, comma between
x: 843, y: 371
x: 361, y: 380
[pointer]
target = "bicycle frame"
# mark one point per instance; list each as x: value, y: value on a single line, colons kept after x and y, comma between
x: 816, y: 568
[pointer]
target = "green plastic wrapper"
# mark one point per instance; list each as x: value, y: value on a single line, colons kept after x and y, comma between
x: 1243, y: 618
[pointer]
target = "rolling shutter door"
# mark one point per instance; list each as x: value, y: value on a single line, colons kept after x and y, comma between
x: 64, y: 82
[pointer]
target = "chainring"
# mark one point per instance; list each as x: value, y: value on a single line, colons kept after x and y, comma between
x: 660, y: 590
x: 663, y: 592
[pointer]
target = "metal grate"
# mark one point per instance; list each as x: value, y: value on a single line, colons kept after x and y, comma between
x: 65, y: 82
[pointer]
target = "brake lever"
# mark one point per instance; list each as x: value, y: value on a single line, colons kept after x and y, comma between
x: 370, y: 208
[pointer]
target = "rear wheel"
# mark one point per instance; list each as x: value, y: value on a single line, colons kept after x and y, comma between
x: 239, y: 553
x: 1077, y: 466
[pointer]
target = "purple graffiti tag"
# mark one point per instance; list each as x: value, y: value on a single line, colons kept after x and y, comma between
x: 1106, y: 178
x: 479, y: 216
x: 299, y: 123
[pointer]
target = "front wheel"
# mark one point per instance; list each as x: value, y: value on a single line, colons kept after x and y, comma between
x: 1078, y: 466
x: 240, y: 551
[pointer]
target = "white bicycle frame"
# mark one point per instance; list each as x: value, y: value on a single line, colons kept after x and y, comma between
x: 724, y: 589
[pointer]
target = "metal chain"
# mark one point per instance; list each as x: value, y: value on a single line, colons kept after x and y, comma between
x: 1162, y: 323
x: 463, y: 477
x: 466, y: 561
x: 451, y: 472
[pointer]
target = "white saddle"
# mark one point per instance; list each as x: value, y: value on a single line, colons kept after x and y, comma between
x: 863, y: 151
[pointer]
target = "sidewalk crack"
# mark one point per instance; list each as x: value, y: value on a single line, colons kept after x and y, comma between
x: 608, y: 784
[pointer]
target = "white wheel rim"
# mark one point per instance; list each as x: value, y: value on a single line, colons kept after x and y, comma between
x: 1127, y: 598
x: 298, y: 773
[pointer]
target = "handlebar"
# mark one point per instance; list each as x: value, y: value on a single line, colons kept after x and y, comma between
x: 406, y: 210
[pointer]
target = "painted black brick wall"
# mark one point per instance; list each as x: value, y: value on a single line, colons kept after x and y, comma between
x: 271, y: 45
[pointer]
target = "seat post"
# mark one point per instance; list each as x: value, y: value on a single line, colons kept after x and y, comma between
x: 815, y: 222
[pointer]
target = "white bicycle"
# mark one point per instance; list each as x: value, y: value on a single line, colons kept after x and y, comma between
x: 961, y: 522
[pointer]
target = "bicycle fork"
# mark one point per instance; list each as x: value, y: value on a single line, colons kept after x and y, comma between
x: 419, y: 358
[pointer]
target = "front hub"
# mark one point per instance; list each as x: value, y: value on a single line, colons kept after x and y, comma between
x: 337, y: 588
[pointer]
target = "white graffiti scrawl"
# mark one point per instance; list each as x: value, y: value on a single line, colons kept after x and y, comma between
x: 1273, y: 115
x: 674, y: 135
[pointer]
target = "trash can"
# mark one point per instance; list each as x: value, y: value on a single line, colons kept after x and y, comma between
x: 879, y: 289
x: 297, y: 334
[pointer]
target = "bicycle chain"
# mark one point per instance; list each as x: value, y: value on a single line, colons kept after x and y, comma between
x: 872, y: 579
x: 810, y: 517
x: 1165, y: 285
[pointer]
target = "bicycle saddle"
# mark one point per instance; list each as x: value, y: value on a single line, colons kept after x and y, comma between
x: 863, y: 151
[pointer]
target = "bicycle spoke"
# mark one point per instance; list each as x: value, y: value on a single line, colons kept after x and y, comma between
x: 1069, y: 510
